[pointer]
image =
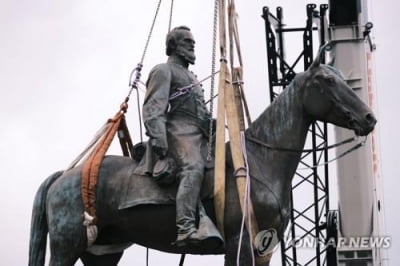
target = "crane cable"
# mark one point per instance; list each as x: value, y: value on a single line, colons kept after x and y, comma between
x: 171, y: 11
x: 134, y: 83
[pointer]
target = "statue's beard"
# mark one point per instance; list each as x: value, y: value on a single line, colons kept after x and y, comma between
x: 186, y: 54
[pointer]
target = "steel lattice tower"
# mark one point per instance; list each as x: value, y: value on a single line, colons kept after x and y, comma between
x: 309, y: 210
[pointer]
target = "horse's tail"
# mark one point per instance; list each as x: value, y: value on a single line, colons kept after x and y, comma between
x: 39, y: 229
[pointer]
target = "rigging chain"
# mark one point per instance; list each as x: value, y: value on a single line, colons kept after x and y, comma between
x: 212, y: 85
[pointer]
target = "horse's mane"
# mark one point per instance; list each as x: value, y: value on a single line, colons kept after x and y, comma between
x: 335, y: 70
x: 276, y: 115
x: 277, y: 112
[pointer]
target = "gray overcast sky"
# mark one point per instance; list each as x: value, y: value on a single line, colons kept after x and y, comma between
x: 64, y: 70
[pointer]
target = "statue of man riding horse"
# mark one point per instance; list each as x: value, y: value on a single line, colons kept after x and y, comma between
x: 174, y: 123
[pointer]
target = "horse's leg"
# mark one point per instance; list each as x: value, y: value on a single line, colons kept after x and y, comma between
x: 232, y: 249
x: 263, y: 261
x: 67, y: 241
x: 89, y: 259
x: 67, y: 233
x: 65, y: 251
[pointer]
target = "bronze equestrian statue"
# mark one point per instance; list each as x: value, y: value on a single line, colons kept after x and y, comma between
x: 320, y: 93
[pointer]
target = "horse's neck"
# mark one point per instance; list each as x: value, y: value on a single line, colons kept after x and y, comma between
x: 282, y: 125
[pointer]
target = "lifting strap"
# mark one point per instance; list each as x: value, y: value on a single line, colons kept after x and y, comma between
x: 219, y: 172
x: 230, y: 107
x: 91, y: 166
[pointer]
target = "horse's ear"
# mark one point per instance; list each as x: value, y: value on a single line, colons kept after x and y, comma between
x: 317, y: 60
x: 332, y: 56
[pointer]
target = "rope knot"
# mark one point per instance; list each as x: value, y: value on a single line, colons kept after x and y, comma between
x: 88, y: 219
x: 91, y: 229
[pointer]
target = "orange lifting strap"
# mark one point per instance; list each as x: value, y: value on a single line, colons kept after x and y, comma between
x: 91, y: 166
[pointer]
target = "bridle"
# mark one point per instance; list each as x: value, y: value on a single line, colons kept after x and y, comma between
x: 334, y: 102
x: 326, y: 148
x: 268, y: 146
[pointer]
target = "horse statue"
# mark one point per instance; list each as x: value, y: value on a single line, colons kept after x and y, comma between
x: 320, y: 93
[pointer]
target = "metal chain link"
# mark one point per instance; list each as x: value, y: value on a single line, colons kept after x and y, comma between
x: 212, y: 85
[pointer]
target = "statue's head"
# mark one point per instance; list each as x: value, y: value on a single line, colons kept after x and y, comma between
x: 180, y: 42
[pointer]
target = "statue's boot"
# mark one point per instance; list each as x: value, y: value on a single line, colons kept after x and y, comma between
x: 187, y: 200
x: 186, y: 205
x: 208, y: 233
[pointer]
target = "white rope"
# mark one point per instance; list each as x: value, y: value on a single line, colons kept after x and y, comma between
x: 90, y: 146
x: 355, y: 147
x: 246, y: 210
x: 91, y: 228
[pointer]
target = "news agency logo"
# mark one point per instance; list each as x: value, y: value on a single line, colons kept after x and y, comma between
x: 378, y: 242
x: 266, y: 242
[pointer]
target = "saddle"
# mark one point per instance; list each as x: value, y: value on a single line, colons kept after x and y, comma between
x: 144, y: 189
x: 158, y: 186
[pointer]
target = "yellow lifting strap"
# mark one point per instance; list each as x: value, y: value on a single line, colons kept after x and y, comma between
x: 231, y: 102
x: 219, y: 173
